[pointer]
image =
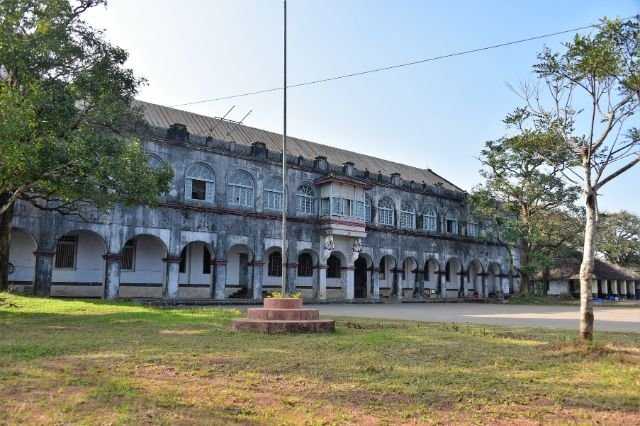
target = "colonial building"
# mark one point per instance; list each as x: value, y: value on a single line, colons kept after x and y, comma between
x: 358, y: 226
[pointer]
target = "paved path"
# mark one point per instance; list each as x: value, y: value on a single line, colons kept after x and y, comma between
x: 607, y: 318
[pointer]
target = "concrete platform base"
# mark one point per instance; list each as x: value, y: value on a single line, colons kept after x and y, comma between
x: 283, y: 316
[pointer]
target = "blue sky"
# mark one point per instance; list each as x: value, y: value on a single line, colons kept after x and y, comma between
x: 435, y: 115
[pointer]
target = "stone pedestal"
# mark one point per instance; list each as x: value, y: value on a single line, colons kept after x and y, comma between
x: 284, y: 315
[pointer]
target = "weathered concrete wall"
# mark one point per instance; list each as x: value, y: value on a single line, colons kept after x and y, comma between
x: 229, y: 230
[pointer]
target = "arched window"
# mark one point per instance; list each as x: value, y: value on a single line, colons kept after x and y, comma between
x: 154, y: 162
x: 386, y: 212
x: 429, y: 218
x: 273, y: 194
x: 199, y: 183
x: 305, y: 199
x: 275, y: 264
x: 368, y: 210
x: 383, y: 269
x: 407, y: 215
x: 240, y: 189
x: 451, y: 222
x: 333, y: 267
x: 305, y: 265
x: 472, y: 227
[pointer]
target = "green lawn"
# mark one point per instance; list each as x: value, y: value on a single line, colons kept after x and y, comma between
x: 99, y: 362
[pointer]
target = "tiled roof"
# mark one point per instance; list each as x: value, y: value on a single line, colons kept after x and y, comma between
x: 163, y: 117
x: 568, y: 268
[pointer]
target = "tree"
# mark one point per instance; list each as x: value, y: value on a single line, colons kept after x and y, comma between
x: 66, y: 123
x: 524, y: 201
x: 592, y: 89
x: 618, y: 238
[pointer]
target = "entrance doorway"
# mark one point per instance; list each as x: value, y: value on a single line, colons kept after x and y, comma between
x: 360, y: 279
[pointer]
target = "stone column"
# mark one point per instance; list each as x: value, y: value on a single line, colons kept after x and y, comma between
x: 292, y: 274
x: 173, y: 272
x: 485, y: 291
x: 322, y: 282
x: 419, y: 283
x: 462, y: 283
x: 43, y: 271
x: 623, y: 289
x: 614, y: 288
x: 221, y: 279
x: 397, y: 283
x: 631, y: 289
x: 594, y: 288
x: 258, y: 268
x: 442, y: 284
x: 113, y: 265
x: 348, y: 282
x: 605, y: 288
x: 375, y: 283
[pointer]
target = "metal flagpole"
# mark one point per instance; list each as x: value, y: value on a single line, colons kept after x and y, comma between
x: 284, y: 165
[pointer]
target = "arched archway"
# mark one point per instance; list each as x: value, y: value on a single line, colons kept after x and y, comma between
x: 238, y: 276
x: 78, y: 265
x: 362, y: 283
x: 336, y: 276
x: 196, y: 270
x: 431, y: 277
x: 387, y: 267
x: 494, y: 286
x: 272, y: 270
x: 143, y: 268
x: 409, y: 277
x: 475, y: 279
x: 452, y: 272
x: 307, y: 273
x: 21, y: 259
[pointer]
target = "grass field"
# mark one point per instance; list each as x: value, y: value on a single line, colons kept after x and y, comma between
x: 99, y: 362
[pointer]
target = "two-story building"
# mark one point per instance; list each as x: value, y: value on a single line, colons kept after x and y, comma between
x: 358, y: 226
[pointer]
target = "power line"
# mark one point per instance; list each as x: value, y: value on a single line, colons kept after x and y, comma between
x: 392, y: 67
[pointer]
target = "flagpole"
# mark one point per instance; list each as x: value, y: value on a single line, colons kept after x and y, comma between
x: 284, y: 164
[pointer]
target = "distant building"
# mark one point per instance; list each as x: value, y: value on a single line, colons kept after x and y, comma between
x: 609, y: 280
x: 358, y: 226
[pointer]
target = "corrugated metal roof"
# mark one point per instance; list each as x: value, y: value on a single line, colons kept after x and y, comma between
x: 161, y: 116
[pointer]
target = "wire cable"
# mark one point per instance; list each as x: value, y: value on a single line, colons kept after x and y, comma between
x: 392, y: 67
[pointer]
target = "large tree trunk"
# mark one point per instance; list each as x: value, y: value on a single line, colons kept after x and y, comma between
x: 586, y: 269
x: 5, y: 241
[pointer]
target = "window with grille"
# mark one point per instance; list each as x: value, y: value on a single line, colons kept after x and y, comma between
x: 367, y: 209
x: 429, y: 219
x: 240, y: 189
x: 407, y: 215
x: 273, y: 194
x: 199, y: 183
x: 385, y: 212
x: 128, y: 256
x: 305, y: 200
x: 333, y: 267
x: 275, y: 265
x: 66, y: 252
x: 451, y: 223
x: 206, y: 260
x: 183, y: 261
x: 305, y: 265
x: 472, y: 229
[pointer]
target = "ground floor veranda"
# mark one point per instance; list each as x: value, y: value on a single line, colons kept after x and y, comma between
x: 81, y: 265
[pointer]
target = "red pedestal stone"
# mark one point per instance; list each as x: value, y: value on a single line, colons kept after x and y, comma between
x: 283, y: 316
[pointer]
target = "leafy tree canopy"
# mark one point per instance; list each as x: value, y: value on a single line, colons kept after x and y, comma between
x: 525, y: 201
x: 618, y: 238
x: 66, y: 123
